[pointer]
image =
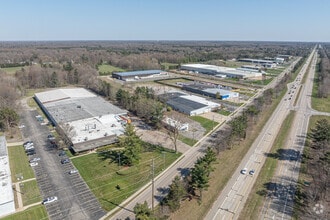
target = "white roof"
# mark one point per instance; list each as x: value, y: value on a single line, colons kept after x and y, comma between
x: 60, y: 94
x: 7, y: 204
x: 95, y: 128
x: 224, y: 70
x: 220, y: 91
x: 200, y: 100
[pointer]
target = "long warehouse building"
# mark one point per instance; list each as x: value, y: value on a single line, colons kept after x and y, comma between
x: 220, y: 71
x: 86, y: 119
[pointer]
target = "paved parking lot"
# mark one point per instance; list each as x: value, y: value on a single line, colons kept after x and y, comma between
x: 75, y: 200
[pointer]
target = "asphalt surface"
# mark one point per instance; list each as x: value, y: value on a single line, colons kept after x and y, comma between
x: 280, y: 199
x: 75, y: 200
x: 233, y: 197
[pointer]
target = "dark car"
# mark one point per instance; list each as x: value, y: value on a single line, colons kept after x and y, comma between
x: 50, y: 137
x: 31, y: 152
x: 64, y: 161
x: 62, y: 153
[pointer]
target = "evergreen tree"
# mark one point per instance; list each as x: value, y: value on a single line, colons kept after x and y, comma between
x: 132, y: 146
x: 143, y: 212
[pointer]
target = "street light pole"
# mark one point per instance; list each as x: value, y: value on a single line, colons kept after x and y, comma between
x: 152, y: 185
x: 164, y: 158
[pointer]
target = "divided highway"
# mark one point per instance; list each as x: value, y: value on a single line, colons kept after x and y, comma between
x: 280, y: 202
x: 233, y: 197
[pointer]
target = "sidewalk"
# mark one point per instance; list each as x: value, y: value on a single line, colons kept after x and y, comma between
x: 15, y: 143
x: 19, y: 195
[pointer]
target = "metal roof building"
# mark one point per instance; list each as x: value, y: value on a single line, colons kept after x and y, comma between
x: 220, y: 71
x: 136, y: 75
x: 211, y: 90
x: 7, y: 203
x: 189, y: 104
x: 86, y: 119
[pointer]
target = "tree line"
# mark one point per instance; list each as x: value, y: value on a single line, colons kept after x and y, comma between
x: 316, y: 169
x: 323, y: 74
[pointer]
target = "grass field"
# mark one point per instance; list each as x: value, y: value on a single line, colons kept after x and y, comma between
x: 256, y: 197
x: 261, y: 82
x: 30, y: 192
x: 205, y: 123
x: 33, y: 213
x: 102, y: 176
x: 19, y: 163
x: 12, y: 70
x: 274, y: 71
x: 224, y: 112
x: 168, y: 66
x: 186, y: 140
x: 106, y: 69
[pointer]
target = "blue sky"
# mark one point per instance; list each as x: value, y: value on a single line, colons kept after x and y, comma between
x: 250, y: 20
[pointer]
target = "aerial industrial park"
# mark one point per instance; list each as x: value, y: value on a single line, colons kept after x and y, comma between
x: 155, y: 110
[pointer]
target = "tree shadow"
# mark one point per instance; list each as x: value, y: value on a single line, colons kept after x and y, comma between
x: 284, y: 154
x: 112, y: 155
x: 184, y: 172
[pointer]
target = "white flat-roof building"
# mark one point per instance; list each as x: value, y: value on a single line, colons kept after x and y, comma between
x: 85, y: 118
x: 190, y: 104
x: 220, y: 71
x: 7, y: 203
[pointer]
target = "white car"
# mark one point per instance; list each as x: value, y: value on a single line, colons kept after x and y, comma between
x: 49, y: 200
x: 29, y: 147
x: 29, y: 144
x: 244, y: 171
x: 33, y: 164
x: 35, y: 159
x: 73, y: 171
x: 252, y: 172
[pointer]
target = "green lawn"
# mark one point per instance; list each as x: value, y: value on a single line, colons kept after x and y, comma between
x: 261, y: 82
x: 224, y: 112
x: 205, y: 123
x: 274, y: 71
x: 19, y: 163
x: 106, y: 69
x: 186, y: 140
x: 12, y: 70
x: 33, y: 213
x: 102, y: 176
x: 168, y: 66
x: 30, y: 192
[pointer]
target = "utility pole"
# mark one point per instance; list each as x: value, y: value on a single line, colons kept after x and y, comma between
x: 118, y: 160
x: 152, y: 185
